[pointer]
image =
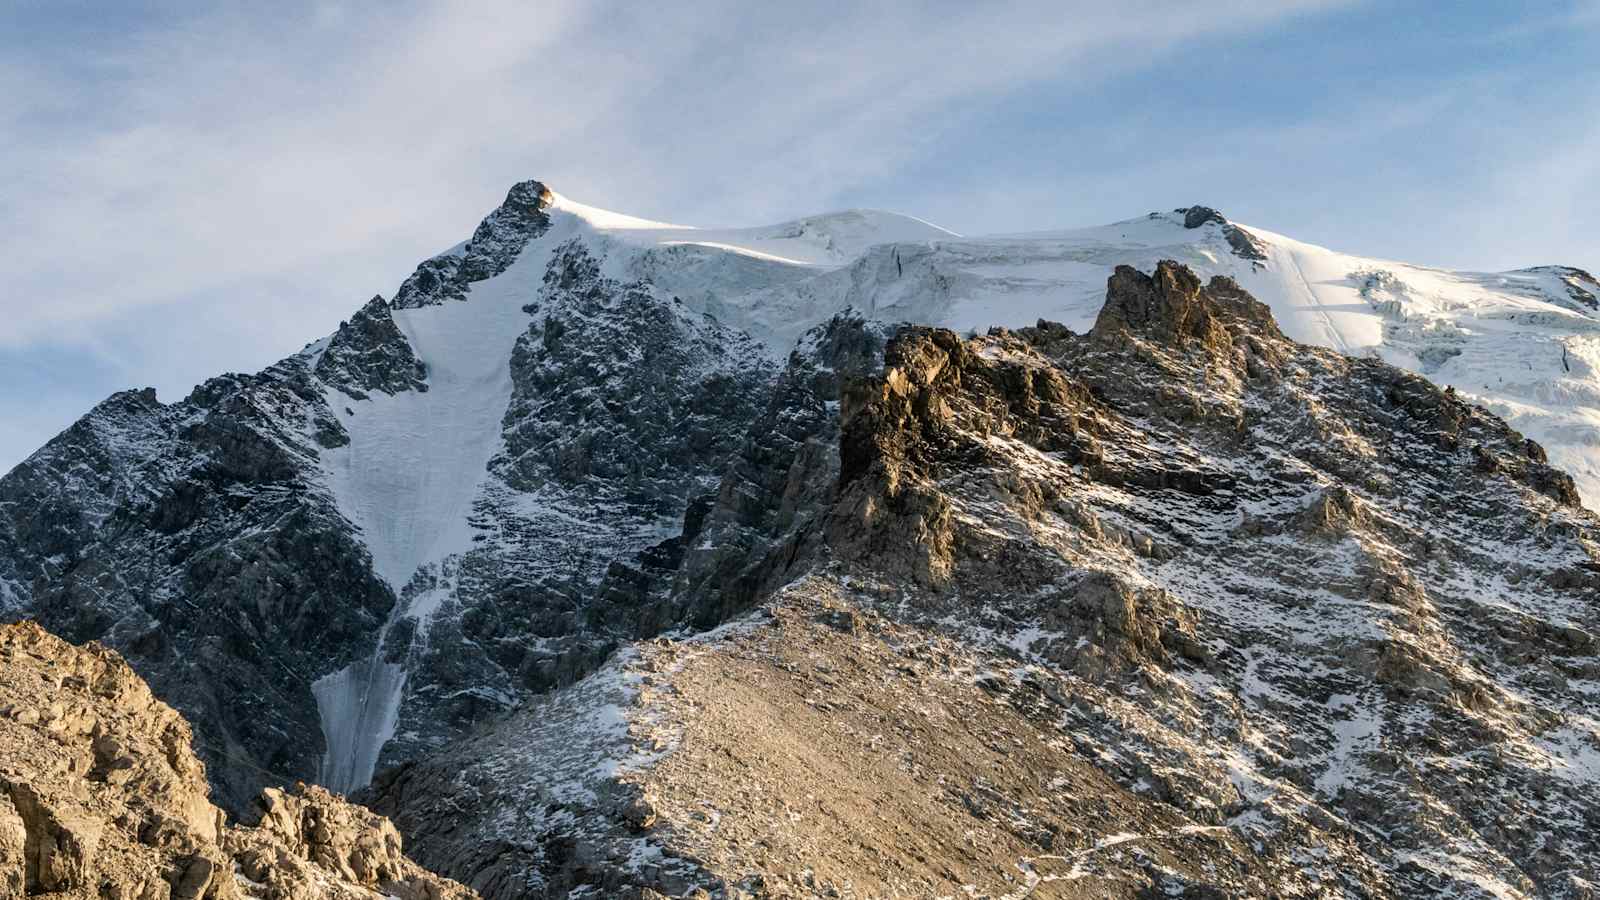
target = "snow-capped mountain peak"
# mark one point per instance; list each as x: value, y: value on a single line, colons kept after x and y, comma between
x: 1523, y: 342
x: 577, y: 429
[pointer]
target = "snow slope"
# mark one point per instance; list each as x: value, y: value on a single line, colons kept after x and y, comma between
x: 416, y: 459
x: 1524, y: 344
x: 825, y: 240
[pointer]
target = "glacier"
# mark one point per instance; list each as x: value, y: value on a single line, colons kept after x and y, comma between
x: 1525, y: 344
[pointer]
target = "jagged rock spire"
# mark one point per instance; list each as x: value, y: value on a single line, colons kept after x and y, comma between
x: 1171, y: 306
x: 495, y: 245
x: 369, y: 353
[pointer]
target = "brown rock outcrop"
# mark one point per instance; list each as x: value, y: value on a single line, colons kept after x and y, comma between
x: 102, y: 796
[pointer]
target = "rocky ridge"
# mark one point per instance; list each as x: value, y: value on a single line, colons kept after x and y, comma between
x: 368, y: 353
x: 1244, y: 244
x: 101, y: 796
x: 496, y: 243
x: 196, y: 538
x: 1221, y: 615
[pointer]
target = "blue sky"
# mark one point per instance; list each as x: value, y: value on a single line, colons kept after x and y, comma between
x: 185, y: 192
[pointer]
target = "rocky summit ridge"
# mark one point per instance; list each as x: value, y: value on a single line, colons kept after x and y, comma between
x: 1176, y: 607
x: 850, y: 557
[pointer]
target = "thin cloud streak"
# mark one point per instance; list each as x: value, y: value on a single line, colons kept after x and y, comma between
x: 225, y: 149
x: 209, y: 192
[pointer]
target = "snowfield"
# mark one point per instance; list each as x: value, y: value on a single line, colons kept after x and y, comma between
x: 1525, y: 344
x: 414, y: 465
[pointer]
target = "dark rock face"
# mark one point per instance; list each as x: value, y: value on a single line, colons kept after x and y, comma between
x: 196, y: 539
x: 625, y: 408
x: 368, y: 353
x: 494, y: 246
x: 640, y: 370
x: 764, y: 525
x: 1245, y: 245
x: 1196, y: 216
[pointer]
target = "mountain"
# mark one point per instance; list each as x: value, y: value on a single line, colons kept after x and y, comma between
x: 634, y: 555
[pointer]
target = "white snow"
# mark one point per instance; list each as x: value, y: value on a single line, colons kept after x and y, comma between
x: 830, y: 239
x: 605, y: 219
x: 1359, y: 733
x: 1512, y: 341
x: 742, y: 251
x: 10, y: 596
x: 1572, y: 751
x: 415, y: 459
x: 359, y: 706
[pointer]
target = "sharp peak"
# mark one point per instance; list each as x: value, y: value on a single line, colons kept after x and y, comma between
x: 1173, y: 304
x: 1197, y: 216
x: 529, y: 193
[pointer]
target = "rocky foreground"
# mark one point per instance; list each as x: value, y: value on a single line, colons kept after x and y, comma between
x: 101, y: 796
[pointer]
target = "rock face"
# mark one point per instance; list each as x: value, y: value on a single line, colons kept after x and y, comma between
x: 101, y: 796
x: 1244, y: 244
x: 624, y: 407
x: 196, y: 538
x: 368, y: 353
x: 1196, y: 216
x: 1176, y: 607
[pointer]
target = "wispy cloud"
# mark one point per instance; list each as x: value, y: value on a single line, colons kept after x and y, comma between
x: 1478, y: 171
x: 184, y: 192
x: 242, y: 144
